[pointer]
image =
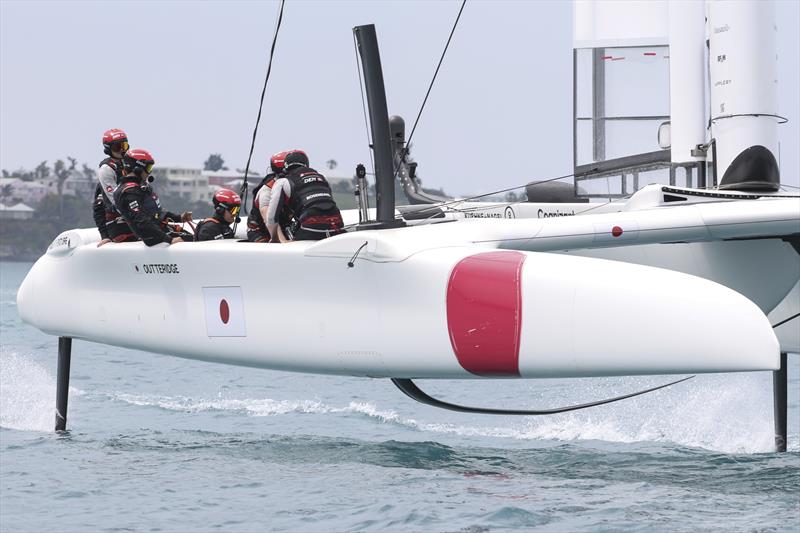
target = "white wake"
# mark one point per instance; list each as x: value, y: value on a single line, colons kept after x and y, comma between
x: 730, y: 413
x: 27, y: 394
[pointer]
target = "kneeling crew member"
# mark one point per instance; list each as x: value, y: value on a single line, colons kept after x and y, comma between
x: 226, y: 206
x: 139, y: 204
x: 256, y: 228
x: 309, y: 197
x: 109, y: 222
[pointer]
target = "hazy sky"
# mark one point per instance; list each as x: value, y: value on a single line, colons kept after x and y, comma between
x: 183, y: 78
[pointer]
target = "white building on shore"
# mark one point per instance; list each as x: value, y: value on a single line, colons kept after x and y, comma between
x: 19, y: 211
x: 14, y: 190
x: 188, y: 183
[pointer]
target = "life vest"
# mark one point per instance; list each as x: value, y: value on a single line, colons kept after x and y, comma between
x: 210, y: 220
x: 255, y: 221
x: 310, y: 190
x: 149, y: 202
x: 225, y: 231
x: 116, y: 166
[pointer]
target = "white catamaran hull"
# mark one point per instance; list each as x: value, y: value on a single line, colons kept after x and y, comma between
x: 422, y: 311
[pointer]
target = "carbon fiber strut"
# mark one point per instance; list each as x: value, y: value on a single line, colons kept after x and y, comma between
x: 411, y: 390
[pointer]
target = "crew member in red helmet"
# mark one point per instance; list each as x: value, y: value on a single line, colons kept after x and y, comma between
x: 139, y: 204
x: 307, y: 194
x: 109, y: 222
x: 256, y: 228
x: 218, y: 226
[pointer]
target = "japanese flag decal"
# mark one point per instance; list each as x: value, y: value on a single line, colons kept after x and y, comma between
x: 224, y: 309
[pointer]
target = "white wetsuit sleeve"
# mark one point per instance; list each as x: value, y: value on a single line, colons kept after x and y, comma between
x: 281, y: 187
x: 108, y: 181
x: 262, y: 200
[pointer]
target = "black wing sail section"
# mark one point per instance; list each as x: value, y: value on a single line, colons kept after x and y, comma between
x: 411, y: 390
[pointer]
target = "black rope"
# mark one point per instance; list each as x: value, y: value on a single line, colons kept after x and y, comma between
x: 781, y: 120
x: 243, y: 191
x: 784, y: 321
x: 430, y: 87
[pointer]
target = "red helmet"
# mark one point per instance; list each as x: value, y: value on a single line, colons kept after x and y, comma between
x: 276, y: 161
x: 295, y: 157
x: 227, y: 200
x: 114, y: 138
x: 137, y: 161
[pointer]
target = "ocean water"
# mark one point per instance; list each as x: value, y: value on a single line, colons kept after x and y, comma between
x: 157, y: 443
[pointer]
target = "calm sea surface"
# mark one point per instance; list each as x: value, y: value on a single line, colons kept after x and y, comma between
x: 164, y: 444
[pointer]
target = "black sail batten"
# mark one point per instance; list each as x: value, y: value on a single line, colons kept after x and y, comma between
x: 411, y: 390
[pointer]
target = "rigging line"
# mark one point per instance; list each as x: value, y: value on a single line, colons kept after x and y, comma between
x: 363, y: 104
x: 787, y: 185
x: 495, y: 206
x: 430, y: 87
x: 784, y: 321
x: 462, y: 200
x: 243, y: 190
x: 603, y: 204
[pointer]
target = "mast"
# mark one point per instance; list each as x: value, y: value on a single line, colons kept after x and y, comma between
x: 744, y: 94
x: 367, y: 42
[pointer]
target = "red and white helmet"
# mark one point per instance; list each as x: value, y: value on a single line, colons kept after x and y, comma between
x: 276, y: 161
x: 115, y: 138
x: 137, y: 161
x: 227, y: 200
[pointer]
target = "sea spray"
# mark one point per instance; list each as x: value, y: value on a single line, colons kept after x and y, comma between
x: 27, y: 393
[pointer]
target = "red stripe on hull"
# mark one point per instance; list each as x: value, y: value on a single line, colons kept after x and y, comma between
x: 484, y: 312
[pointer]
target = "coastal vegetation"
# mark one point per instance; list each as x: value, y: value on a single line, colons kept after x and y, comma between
x: 61, y: 197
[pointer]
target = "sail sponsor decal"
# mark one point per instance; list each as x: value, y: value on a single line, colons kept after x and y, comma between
x: 224, y: 311
x: 541, y: 213
x: 484, y: 312
x: 482, y: 214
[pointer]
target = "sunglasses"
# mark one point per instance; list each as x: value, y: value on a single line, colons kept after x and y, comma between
x: 149, y: 168
x: 123, y: 146
x: 235, y: 210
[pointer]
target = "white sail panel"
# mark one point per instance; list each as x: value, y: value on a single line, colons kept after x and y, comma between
x: 607, y: 23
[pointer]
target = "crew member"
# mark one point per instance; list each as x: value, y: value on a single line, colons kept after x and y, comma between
x: 109, y: 222
x: 256, y: 228
x: 139, y: 204
x: 226, y: 206
x: 307, y: 194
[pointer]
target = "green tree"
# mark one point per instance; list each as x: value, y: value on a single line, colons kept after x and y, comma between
x: 88, y: 172
x: 215, y: 162
x: 42, y: 171
x: 62, y: 173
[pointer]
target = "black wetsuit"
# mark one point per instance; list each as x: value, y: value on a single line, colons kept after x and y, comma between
x: 109, y: 222
x: 311, y: 200
x: 140, y: 207
x: 213, y: 228
x: 256, y: 229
